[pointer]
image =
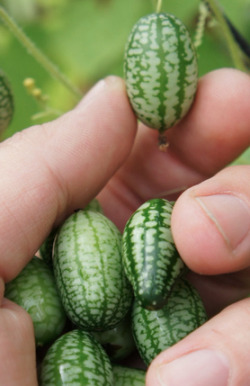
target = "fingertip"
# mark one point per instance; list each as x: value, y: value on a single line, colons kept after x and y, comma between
x: 110, y: 84
x: 197, y: 238
x: 17, y: 346
x: 211, y: 227
x: 216, y: 129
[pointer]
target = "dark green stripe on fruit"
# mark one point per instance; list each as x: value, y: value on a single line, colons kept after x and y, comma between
x: 150, y: 258
x: 160, y: 68
x: 155, y: 331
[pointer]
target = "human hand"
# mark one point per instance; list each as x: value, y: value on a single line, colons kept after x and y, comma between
x: 51, y: 170
x: 47, y: 172
x: 210, y: 224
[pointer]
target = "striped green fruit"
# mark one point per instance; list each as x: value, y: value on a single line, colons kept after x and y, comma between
x: 46, y: 248
x: 88, y: 270
x: 76, y: 358
x: 155, y: 331
x: 118, y: 342
x: 151, y: 261
x: 127, y: 376
x: 6, y: 102
x: 34, y: 289
x: 160, y: 68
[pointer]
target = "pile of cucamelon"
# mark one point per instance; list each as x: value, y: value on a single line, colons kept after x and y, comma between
x: 96, y: 295
x: 117, y: 292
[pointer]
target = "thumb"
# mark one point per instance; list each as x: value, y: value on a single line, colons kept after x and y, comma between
x: 211, y: 223
x: 52, y: 169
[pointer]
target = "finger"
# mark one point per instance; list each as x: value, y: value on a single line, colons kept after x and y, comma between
x: 211, y: 223
x: 219, y: 291
x: 215, y: 354
x: 17, y: 349
x: 215, y: 131
x: 48, y: 171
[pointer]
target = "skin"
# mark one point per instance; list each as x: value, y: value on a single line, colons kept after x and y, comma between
x: 50, y: 170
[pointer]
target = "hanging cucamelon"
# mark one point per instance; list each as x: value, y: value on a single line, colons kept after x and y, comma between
x: 151, y: 261
x: 160, y: 68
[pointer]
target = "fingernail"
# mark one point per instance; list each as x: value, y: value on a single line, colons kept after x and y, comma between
x: 114, y: 81
x: 230, y: 215
x: 204, y: 367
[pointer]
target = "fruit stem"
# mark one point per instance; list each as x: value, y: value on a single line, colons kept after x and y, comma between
x: 38, y: 54
x: 232, y: 45
x: 158, y: 6
x: 162, y: 142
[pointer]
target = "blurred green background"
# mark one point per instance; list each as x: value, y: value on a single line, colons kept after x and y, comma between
x: 86, y: 39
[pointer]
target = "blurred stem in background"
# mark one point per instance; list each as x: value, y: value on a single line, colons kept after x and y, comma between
x: 38, y: 55
x: 229, y: 32
x: 86, y: 39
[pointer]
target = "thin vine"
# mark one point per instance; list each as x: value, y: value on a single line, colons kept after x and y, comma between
x: 37, y: 54
x: 232, y: 45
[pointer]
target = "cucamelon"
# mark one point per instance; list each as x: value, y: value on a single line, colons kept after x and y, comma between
x: 128, y: 376
x: 35, y: 290
x: 94, y: 205
x: 155, y: 331
x: 151, y: 261
x: 161, y: 72
x: 6, y: 102
x: 118, y: 342
x: 87, y: 261
x: 76, y: 359
x: 46, y: 248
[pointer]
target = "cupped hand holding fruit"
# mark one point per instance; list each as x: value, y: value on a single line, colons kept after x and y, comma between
x: 49, y: 171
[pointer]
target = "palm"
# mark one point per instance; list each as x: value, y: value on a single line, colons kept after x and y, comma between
x: 147, y: 173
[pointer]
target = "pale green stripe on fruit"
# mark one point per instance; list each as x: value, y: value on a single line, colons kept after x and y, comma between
x: 155, y: 331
